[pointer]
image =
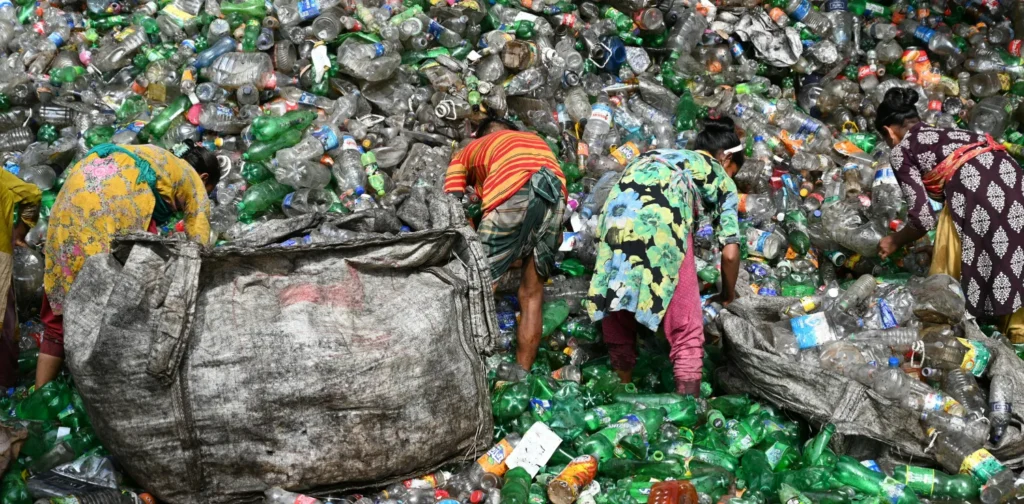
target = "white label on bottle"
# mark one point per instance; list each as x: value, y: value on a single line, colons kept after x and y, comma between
x: 535, y: 449
x: 525, y: 16
x: 601, y: 112
x: 309, y: 9
x: 349, y: 143
x: 473, y: 56
x: 63, y: 431
x: 321, y: 62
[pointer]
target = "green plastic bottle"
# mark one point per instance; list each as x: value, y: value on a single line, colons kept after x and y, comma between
x: 850, y: 472
x: 262, y: 151
x: 260, y: 198
x: 254, y: 173
x: 252, y: 8
x: 13, y: 489
x: 66, y: 75
x: 604, y: 444
x: 510, y: 400
x: 97, y: 135
x: 516, y: 489
x: 731, y: 406
x: 756, y: 473
x: 795, y: 224
x: 266, y: 128
x: 156, y: 128
x: 572, y: 267
x: 599, y: 417
x: 932, y: 483
x: 554, y: 314
x: 46, y: 403
x: 815, y: 448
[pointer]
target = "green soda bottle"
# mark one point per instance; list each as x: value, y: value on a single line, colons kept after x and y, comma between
x: 815, y: 448
x: 599, y: 417
x: 46, y: 403
x: 623, y: 23
x: 731, y: 405
x: 262, y: 151
x: 266, y: 128
x: 156, y: 128
x: 516, y: 489
x: 260, y: 198
x: 252, y: 8
x: 249, y: 36
x: 554, y: 314
x: 717, y: 458
x: 130, y: 108
x: 795, y: 224
x: 850, y: 472
x: 97, y: 135
x: 604, y: 444
x: 756, y: 473
x: 932, y: 483
x: 66, y: 75
x: 254, y: 173
x: 808, y: 479
x: 13, y: 489
x: 572, y: 267
x: 580, y: 329
x: 790, y: 495
x: 510, y: 400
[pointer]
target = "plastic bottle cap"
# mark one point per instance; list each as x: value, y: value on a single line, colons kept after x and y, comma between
x: 894, y: 362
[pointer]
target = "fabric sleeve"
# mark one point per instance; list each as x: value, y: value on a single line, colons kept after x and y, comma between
x: 919, y: 209
x: 25, y: 193
x: 457, y: 177
x: 185, y: 188
x: 728, y: 209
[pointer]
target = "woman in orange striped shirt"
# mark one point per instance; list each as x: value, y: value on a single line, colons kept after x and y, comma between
x: 523, y: 195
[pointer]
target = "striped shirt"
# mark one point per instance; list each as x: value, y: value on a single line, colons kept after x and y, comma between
x: 500, y: 164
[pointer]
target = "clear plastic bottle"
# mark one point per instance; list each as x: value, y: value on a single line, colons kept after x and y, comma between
x: 899, y: 339
x: 962, y: 386
x: 307, y: 201
x: 301, y: 174
x: 765, y: 244
x: 801, y: 10
x: 278, y: 495
x: 1000, y: 400
x: 858, y: 292
x: 234, y: 69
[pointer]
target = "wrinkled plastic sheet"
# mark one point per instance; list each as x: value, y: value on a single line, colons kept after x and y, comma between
x: 821, y: 396
x: 779, y: 47
x: 212, y: 376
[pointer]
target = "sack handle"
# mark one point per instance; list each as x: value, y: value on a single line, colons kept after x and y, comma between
x: 174, y: 322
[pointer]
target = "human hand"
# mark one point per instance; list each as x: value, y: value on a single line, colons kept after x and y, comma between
x: 887, y: 246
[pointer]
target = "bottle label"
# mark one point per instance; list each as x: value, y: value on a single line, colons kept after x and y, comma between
x: 874, y: 9
x: 865, y: 71
x: 977, y: 357
x: 56, y: 38
x: 435, y: 29
x: 177, y: 15
x: 541, y: 408
x: 808, y: 303
x: 349, y: 143
x: 423, y: 482
x: 774, y: 453
x: 494, y: 460
x: 327, y: 137
x: 625, y: 153
x: 287, y: 201
x: 1013, y: 47
x: 892, y: 490
x: 1001, y: 407
x: 759, y: 243
x: 811, y: 330
x: 305, y: 499
x: 924, y: 33
x: 601, y: 112
x: 768, y: 290
x: 807, y: 128
x: 309, y: 9
x: 802, y: 10
x: 835, y: 5
x: 871, y: 464
x: 886, y: 314
x: 920, y: 480
x: 982, y: 465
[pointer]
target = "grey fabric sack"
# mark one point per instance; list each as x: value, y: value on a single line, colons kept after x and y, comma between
x: 821, y: 396
x: 212, y: 376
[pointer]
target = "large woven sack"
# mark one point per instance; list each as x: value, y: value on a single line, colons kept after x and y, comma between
x: 822, y: 396
x: 213, y: 376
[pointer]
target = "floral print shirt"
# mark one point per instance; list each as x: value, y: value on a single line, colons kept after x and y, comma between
x: 102, y: 197
x: 642, y: 233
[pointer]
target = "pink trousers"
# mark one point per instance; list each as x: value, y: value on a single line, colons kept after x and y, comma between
x: 683, y: 324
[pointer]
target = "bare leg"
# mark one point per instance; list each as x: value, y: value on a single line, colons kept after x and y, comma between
x: 531, y: 301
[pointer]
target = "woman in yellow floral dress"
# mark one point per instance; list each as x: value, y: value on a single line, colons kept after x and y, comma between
x: 112, y: 190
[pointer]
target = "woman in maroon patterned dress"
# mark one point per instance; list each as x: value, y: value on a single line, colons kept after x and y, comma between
x: 980, y: 228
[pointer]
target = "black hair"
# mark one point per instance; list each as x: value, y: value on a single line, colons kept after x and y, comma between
x: 203, y: 161
x: 486, y: 123
x: 719, y: 135
x: 898, y: 107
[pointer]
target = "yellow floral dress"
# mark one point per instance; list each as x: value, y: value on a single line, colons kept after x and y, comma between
x: 104, y: 196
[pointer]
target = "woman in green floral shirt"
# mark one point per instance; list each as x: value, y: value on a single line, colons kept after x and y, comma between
x: 645, y: 268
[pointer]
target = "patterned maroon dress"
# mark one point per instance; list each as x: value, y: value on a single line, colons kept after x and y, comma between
x: 986, y: 200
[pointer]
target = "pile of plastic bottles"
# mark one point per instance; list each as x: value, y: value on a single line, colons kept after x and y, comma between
x: 575, y: 433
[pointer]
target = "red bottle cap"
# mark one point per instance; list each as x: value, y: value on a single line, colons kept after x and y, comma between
x: 477, y: 497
